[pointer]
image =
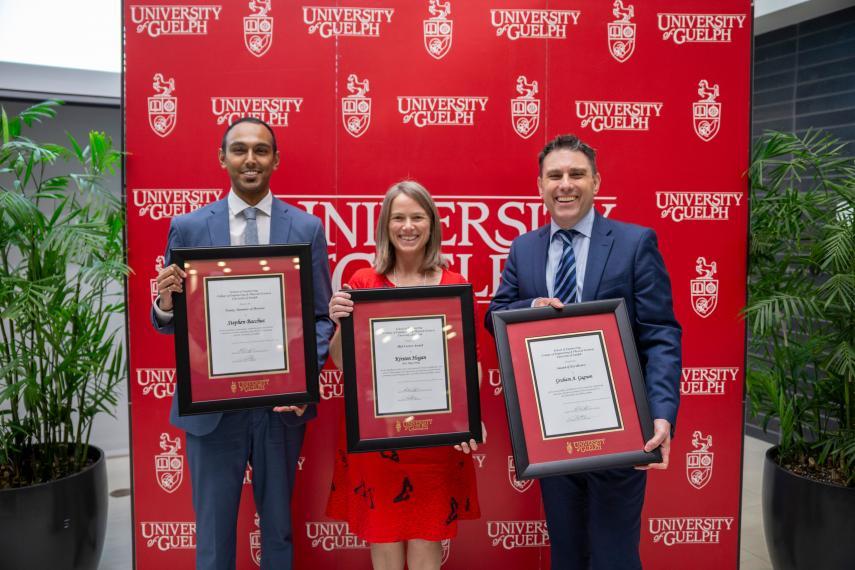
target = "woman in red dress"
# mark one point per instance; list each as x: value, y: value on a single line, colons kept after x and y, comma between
x: 402, y: 502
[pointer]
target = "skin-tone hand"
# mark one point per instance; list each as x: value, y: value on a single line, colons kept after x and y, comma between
x: 340, y: 305
x: 548, y: 302
x: 467, y: 447
x: 661, y: 439
x: 299, y: 410
x: 170, y: 280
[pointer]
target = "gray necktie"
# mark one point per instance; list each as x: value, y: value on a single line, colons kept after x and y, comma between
x: 250, y: 235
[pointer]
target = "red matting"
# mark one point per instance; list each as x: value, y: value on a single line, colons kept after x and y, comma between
x: 541, y: 450
x: 206, y: 388
x: 457, y: 419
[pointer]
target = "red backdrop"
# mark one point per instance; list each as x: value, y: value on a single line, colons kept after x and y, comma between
x: 460, y: 96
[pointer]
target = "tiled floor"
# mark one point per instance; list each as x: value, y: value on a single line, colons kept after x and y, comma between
x: 753, y: 554
x: 117, y: 550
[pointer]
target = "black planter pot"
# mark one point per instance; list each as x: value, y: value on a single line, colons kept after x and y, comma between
x: 808, y: 524
x: 58, y: 525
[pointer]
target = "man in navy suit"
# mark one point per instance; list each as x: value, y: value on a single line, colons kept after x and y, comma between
x: 220, y: 444
x: 594, y: 519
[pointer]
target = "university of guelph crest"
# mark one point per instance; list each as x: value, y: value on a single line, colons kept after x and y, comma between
x: 162, y: 106
x: 169, y: 465
x: 622, y: 32
x: 706, y: 112
x: 438, y: 29
x: 704, y: 288
x: 699, y: 463
x: 519, y: 486
x: 356, y: 107
x: 525, y: 109
x: 258, y: 28
x: 255, y: 541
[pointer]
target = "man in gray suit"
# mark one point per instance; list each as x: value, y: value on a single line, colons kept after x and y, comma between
x: 220, y: 444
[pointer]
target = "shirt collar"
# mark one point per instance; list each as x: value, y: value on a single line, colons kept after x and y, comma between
x: 584, y: 226
x: 237, y: 205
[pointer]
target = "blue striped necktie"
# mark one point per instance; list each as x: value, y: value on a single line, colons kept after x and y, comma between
x: 565, y: 275
x: 250, y: 235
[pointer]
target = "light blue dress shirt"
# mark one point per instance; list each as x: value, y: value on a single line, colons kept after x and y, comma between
x: 581, y: 243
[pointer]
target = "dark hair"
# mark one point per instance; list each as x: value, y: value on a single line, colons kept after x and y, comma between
x: 568, y: 142
x: 249, y: 120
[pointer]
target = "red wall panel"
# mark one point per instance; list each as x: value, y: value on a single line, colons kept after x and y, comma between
x: 467, y: 120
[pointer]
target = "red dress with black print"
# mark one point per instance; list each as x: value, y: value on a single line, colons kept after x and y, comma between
x: 391, y: 496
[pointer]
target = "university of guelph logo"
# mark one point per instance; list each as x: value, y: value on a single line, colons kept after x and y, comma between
x: 519, y: 486
x: 525, y: 109
x: 622, y: 32
x: 704, y: 288
x: 707, y: 112
x: 169, y: 465
x: 356, y: 107
x: 162, y: 107
x: 699, y: 463
x: 255, y: 541
x: 438, y: 29
x: 258, y: 28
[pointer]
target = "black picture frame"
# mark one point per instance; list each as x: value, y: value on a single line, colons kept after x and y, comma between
x: 351, y: 361
x: 300, y: 254
x: 525, y: 469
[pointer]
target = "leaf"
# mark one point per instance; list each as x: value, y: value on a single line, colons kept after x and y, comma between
x: 39, y: 111
x: 78, y: 152
x: 4, y: 124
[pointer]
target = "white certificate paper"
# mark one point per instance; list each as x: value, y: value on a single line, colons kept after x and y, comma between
x: 246, y: 325
x: 573, y: 384
x: 410, y: 365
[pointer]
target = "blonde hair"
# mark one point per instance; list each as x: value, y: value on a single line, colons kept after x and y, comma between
x: 384, y: 260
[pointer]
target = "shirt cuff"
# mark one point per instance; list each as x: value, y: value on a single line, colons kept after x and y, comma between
x: 163, y: 317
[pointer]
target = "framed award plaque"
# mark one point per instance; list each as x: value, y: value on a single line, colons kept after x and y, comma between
x: 574, y: 389
x: 245, y: 328
x: 410, y: 368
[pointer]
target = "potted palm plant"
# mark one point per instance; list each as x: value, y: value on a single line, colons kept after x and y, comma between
x: 801, y: 362
x: 61, y: 256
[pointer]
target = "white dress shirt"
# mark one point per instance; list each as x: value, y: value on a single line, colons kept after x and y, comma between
x: 237, y: 228
x: 237, y: 223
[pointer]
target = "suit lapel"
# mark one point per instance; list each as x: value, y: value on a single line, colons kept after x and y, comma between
x: 218, y: 224
x: 598, y: 254
x: 280, y: 222
x: 540, y: 253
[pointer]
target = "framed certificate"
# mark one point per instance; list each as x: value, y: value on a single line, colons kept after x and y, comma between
x: 410, y: 368
x: 245, y: 328
x: 574, y: 390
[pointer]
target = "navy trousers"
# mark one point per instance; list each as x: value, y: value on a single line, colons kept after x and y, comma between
x: 594, y: 519
x: 217, y: 466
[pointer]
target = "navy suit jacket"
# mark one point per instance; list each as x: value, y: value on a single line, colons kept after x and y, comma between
x: 209, y: 226
x: 623, y: 261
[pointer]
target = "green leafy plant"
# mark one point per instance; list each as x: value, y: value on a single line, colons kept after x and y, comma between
x: 801, y: 293
x: 61, y: 242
